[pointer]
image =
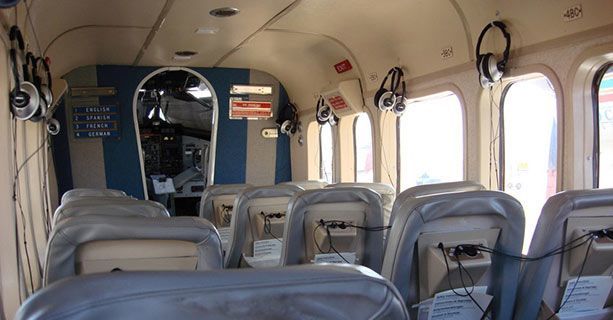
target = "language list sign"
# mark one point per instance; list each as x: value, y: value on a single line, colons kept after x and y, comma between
x: 95, y: 121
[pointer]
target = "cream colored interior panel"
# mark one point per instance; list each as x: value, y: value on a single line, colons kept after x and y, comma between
x: 185, y: 16
x: 58, y: 18
x: 91, y: 46
x: 386, y: 33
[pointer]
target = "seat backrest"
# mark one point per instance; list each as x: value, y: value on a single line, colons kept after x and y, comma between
x: 436, y: 188
x: 292, y: 293
x: 415, y: 263
x: 259, y: 214
x: 96, y: 243
x: 308, y: 184
x: 386, y: 191
x: 317, y: 227
x: 110, y: 206
x: 89, y: 193
x: 217, y: 195
x: 566, y: 217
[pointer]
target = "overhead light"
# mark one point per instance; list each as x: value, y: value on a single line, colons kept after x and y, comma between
x: 184, y: 55
x: 224, y: 12
x: 207, y: 30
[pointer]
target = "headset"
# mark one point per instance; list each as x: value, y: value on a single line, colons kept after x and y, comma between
x: 288, y: 119
x: 490, y: 69
x: 324, y: 113
x: 388, y: 98
x: 40, y: 114
x: 24, y: 98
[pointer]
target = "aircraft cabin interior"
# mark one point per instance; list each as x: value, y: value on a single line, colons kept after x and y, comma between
x: 306, y: 159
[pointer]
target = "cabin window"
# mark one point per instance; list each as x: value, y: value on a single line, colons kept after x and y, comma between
x: 603, y: 128
x: 431, y: 141
x: 362, y: 135
x: 529, y: 150
x: 326, y: 150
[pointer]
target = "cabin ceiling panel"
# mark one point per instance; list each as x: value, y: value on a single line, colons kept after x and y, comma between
x: 531, y: 22
x: 386, y: 33
x: 53, y: 18
x: 304, y: 63
x: 178, y: 31
x: 95, y: 46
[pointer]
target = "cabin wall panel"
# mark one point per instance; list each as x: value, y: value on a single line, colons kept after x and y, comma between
x: 243, y: 155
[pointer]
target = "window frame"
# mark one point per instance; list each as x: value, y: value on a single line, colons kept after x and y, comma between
x: 355, y: 145
x: 596, y: 82
x: 501, y: 137
x: 433, y: 93
x: 321, y: 171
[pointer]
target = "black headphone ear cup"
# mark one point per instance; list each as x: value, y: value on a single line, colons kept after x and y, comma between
x: 484, y: 66
x: 378, y: 95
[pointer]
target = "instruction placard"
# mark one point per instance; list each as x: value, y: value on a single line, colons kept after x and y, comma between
x: 347, y: 257
x: 450, y: 306
x: 590, y: 294
x: 267, y: 247
x: 224, y: 235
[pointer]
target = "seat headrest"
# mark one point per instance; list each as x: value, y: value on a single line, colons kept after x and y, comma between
x: 110, y: 206
x: 300, y: 292
x: 206, y: 201
x: 308, y: 184
x: 90, y: 192
x: 72, y: 232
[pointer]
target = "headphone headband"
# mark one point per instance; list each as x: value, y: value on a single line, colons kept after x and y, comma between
x: 503, y: 28
x: 15, y: 34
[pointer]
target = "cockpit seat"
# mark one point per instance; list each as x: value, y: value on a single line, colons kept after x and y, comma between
x: 292, y: 293
x: 336, y: 225
x: 101, y: 243
x: 420, y: 257
x: 257, y: 222
x: 565, y: 222
x: 110, y: 206
x: 89, y: 193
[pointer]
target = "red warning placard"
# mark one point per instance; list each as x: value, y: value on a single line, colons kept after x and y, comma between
x: 250, y: 109
x: 337, y: 102
x: 343, y: 66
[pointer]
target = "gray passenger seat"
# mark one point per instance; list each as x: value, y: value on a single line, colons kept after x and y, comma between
x: 96, y: 243
x: 293, y: 293
x: 314, y: 232
x: 414, y: 259
x: 567, y: 216
x: 386, y: 191
x: 259, y: 215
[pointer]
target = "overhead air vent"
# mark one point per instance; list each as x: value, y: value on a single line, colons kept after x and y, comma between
x: 224, y: 12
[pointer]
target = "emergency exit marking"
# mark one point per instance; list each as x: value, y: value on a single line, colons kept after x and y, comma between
x: 343, y: 66
x: 572, y: 13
